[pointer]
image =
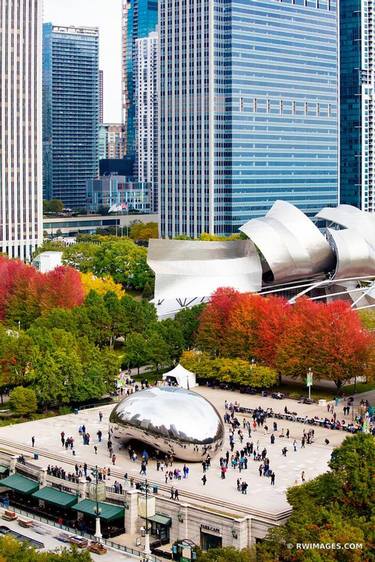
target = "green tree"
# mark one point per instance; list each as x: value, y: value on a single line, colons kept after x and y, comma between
x: 335, y: 507
x: 124, y: 261
x: 23, y: 401
x: 94, y: 319
x: 158, y: 350
x: 262, y: 377
x: 81, y: 256
x: 49, y: 246
x: 135, y: 351
x: 188, y: 319
x: 53, y: 206
x: 171, y: 332
x: 142, y: 232
x: 227, y: 554
x: 12, y: 550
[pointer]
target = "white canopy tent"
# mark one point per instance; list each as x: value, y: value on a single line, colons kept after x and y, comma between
x: 182, y: 377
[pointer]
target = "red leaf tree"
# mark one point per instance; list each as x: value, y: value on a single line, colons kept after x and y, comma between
x: 25, y: 292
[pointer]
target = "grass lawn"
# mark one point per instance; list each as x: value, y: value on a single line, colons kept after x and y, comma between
x: 359, y: 387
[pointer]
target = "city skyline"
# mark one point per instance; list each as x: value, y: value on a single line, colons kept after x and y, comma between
x: 106, y: 15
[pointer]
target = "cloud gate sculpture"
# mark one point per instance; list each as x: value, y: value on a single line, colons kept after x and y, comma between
x: 285, y: 252
x: 172, y: 420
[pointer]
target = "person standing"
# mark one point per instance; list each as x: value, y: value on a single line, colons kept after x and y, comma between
x: 176, y: 496
x: 100, y: 416
x: 33, y: 441
x: 272, y: 478
x: 303, y: 476
x: 295, y: 446
x: 113, y: 459
x: 204, y: 479
x: 172, y: 493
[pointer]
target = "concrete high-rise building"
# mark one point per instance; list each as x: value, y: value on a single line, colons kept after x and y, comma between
x: 20, y: 127
x: 111, y: 141
x: 146, y: 103
x: 248, y: 110
x: 101, y: 96
x: 139, y: 18
x: 357, y: 85
x: 70, y: 112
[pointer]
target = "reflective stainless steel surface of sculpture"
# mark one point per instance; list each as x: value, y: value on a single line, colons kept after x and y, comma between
x: 292, y: 245
x: 190, y: 268
x: 355, y: 257
x: 175, y: 421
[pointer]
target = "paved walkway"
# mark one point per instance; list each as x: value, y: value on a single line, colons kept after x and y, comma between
x: 261, y: 495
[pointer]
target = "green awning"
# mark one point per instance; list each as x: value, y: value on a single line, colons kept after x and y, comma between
x: 51, y: 495
x: 161, y: 519
x: 20, y: 483
x: 3, y: 469
x: 108, y: 511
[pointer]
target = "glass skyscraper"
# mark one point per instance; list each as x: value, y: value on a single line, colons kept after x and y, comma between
x: 140, y: 17
x: 70, y: 112
x: 357, y: 180
x: 248, y: 110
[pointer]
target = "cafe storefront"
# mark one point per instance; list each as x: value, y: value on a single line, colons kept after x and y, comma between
x: 211, y: 537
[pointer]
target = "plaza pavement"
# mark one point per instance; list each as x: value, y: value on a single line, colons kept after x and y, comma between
x: 261, y: 495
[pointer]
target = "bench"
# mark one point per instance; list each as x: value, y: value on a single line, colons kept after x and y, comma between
x: 9, y: 515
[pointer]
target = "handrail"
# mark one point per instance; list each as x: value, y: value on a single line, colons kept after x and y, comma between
x: 107, y: 542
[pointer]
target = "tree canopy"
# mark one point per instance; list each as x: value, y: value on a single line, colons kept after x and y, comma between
x: 325, y: 337
x: 335, y: 507
x: 12, y: 550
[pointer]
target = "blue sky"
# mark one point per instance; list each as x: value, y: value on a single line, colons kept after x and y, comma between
x: 105, y: 14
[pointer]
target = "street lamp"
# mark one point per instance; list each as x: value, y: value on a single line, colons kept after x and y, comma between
x: 147, y: 549
x: 309, y: 381
x: 98, y: 531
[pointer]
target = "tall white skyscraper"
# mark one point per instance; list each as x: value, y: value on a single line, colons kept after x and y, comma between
x: 146, y: 96
x: 20, y: 127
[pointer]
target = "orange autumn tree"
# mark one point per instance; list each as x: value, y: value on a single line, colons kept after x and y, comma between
x: 327, y: 338
x: 247, y: 325
x: 213, y: 327
x: 254, y: 326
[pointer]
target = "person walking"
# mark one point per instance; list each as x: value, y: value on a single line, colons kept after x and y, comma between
x: 303, y: 476
x: 33, y: 441
x: 172, y: 493
x: 295, y: 446
x: 100, y: 417
x: 113, y: 459
x: 204, y: 479
x: 272, y: 478
x: 176, y: 496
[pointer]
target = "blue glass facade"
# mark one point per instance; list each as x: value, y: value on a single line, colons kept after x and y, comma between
x: 142, y: 18
x: 249, y: 110
x: 350, y: 94
x: 70, y: 112
x: 283, y: 103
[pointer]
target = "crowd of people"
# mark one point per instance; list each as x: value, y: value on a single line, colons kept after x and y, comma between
x: 359, y: 422
x: 243, y: 453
